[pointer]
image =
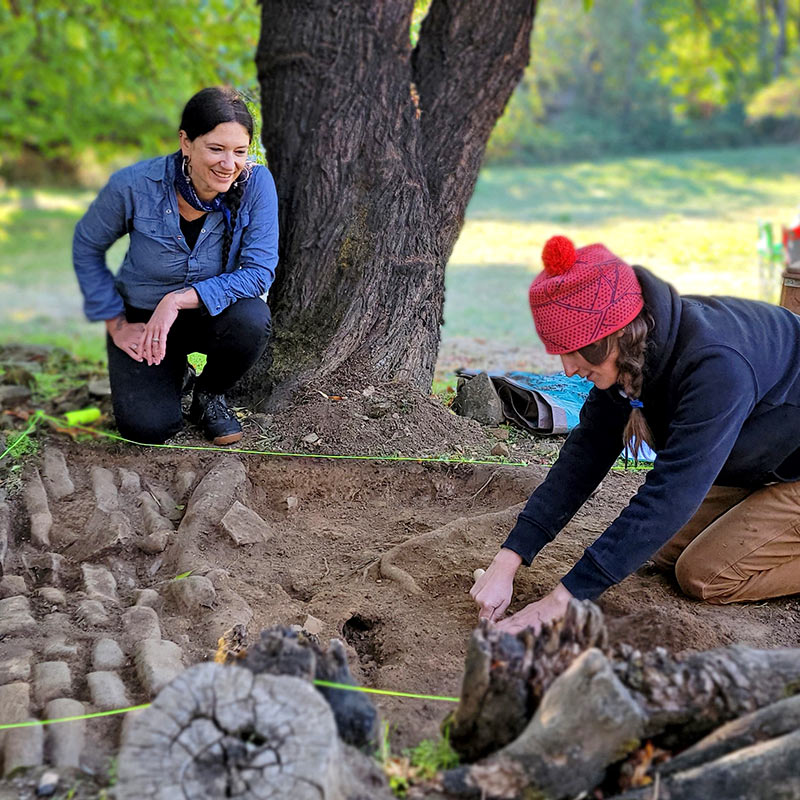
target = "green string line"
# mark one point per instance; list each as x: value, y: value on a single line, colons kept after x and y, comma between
x: 207, y: 448
x: 24, y: 435
x: 327, y: 684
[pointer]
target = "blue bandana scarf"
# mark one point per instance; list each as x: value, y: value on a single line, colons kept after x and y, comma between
x: 185, y: 187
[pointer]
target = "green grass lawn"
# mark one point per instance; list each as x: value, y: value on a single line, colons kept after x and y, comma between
x: 691, y: 217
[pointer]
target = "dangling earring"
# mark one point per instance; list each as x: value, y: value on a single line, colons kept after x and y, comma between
x: 186, y: 168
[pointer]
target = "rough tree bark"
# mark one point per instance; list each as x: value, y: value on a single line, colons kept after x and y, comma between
x: 375, y: 148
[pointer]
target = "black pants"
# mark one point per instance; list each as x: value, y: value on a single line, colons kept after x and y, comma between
x: 147, y: 399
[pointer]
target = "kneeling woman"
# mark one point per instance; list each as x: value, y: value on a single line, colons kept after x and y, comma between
x: 712, y: 384
x: 203, y: 247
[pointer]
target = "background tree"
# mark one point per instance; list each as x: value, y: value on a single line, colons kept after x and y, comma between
x: 375, y: 146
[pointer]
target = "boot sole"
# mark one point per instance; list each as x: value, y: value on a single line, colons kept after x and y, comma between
x: 229, y: 439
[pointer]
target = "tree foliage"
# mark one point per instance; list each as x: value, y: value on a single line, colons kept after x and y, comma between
x: 89, y: 73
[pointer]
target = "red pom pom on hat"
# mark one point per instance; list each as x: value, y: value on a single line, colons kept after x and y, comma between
x: 558, y: 255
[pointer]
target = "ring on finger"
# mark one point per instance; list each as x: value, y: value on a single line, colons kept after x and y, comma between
x: 156, y: 339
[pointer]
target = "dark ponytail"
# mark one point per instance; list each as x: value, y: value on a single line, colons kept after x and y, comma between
x: 632, y: 343
x: 204, y: 111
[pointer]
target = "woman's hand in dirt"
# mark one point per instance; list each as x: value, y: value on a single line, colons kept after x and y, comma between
x: 493, y: 590
x: 551, y: 607
x: 127, y: 336
x: 158, y: 326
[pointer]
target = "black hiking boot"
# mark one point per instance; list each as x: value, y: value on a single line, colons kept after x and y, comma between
x: 211, y: 414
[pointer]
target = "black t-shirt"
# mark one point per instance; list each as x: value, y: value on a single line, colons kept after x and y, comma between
x: 191, y: 229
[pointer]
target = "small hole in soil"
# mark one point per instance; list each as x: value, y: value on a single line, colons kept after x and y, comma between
x: 362, y: 634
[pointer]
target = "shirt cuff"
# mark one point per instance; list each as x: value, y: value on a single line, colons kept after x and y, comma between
x: 211, y: 297
x: 526, y: 540
x: 587, y: 580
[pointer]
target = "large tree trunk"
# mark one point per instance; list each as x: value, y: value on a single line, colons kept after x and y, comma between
x: 375, y: 149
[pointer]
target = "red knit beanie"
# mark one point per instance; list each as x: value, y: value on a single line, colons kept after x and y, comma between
x: 582, y: 295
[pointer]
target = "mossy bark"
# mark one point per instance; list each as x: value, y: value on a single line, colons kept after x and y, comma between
x: 375, y: 147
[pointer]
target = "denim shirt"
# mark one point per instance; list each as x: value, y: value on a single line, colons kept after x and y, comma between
x: 141, y: 201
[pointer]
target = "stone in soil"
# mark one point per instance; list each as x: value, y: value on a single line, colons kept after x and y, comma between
x: 5, y: 527
x: 41, y: 520
x: 102, y: 532
x: 52, y: 596
x: 130, y: 482
x: 92, y: 614
x: 152, y: 518
x: 99, y: 583
x: 245, y: 526
x: 478, y: 399
x: 157, y: 663
x: 24, y: 749
x: 139, y: 623
x: 105, y: 490
x: 55, y: 474
x: 11, y: 585
x: 46, y: 567
x: 57, y: 649
x: 107, y: 691
x: 13, y: 396
x: 107, y: 655
x: 15, y: 701
x: 66, y: 739
x: 15, y: 663
x: 192, y: 593
x: 51, y: 679
x: 148, y: 597
x: 15, y: 616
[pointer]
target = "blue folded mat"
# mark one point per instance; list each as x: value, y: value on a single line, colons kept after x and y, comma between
x: 547, y: 404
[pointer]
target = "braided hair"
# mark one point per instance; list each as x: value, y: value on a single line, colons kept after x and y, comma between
x: 631, y: 342
x: 205, y: 110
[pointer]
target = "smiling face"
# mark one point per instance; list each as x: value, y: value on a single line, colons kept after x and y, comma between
x: 216, y: 158
x: 603, y: 375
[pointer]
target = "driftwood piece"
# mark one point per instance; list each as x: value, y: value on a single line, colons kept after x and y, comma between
x: 221, y: 732
x: 506, y: 676
x: 281, y: 651
x: 687, y: 697
x: 767, y: 723
x: 566, y: 747
x: 681, y: 699
x: 764, y: 771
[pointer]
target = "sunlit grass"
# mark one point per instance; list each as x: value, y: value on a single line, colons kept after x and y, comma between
x: 690, y: 217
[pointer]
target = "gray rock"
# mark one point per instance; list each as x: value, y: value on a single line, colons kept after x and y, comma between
x: 15, y: 616
x: 41, y: 520
x: 103, y: 531
x: 245, y: 526
x: 478, y: 399
x: 91, y: 614
x: 51, y: 679
x: 139, y: 623
x: 54, y: 623
x: 15, y: 663
x: 13, y: 396
x: 152, y: 518
x: 153, y: 543
x: 48, y: 784
x: 24, y: 749
x: 57, y: 649
x: 15, y: 701
x: 99, y: 583
x: 55, y: 474
x: 105, y: 489
x: 149, y: 597
x: 47, y: 567
x: 501, y: 449
x: 5, y: 528
x: 107, y: 655
x: 192, y: 593
x: 130, y: 482
x: 157, y: 663
x: 52, y: 596
x: 107, y: 691
x: 11, y: 585
x: 165, y: 501
x: 66, y: 739
x: 184, y: 480
x: 100, y: 387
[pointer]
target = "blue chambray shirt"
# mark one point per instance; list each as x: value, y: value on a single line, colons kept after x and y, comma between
x: 141, y: 201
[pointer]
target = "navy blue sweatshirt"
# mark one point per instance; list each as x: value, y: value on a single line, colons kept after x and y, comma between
x: 721, y: 395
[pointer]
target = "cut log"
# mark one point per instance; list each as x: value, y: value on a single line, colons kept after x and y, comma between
x: 221, y: 732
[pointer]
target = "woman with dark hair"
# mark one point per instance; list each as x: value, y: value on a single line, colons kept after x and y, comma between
x: 712, y: 384
x: 203, y: 230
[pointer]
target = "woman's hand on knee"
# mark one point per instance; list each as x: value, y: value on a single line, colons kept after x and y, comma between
x: 493, y: 590
x: 162, y: 319
x: 127, y: 336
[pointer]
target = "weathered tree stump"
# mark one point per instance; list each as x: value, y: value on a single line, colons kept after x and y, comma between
x: 281, y: 651
x: 222, y: 732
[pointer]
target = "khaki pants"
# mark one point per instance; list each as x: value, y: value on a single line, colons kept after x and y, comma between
x: 741, y: 544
